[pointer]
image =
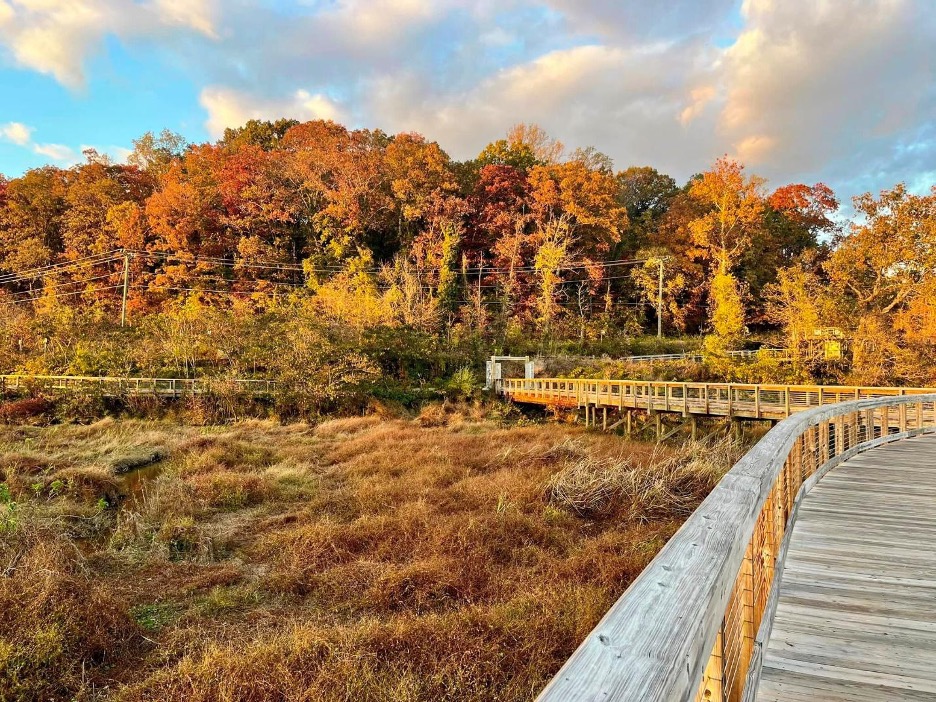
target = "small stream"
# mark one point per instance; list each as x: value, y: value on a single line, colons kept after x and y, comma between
x: 134, y: 483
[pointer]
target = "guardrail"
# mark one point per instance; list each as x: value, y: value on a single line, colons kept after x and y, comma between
x: 748, y: 401
x: 117, y: 386
x: 693, y: 625
x: 777, y: 353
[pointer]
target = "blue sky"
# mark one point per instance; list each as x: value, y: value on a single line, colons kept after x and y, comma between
x: 800, y: 90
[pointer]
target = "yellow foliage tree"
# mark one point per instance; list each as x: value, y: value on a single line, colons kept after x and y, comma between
x: 551, y: 255
x: 736, y: 205
x: 727, y: 319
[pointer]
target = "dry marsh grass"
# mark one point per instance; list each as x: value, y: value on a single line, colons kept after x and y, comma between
x: 442, y: 557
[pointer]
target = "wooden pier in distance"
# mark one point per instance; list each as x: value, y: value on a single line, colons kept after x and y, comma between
x: 613, y: 398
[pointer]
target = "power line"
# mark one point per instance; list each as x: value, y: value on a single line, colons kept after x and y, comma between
x: 62, y: 284
x: 64, y: 266
x: 70, y: 294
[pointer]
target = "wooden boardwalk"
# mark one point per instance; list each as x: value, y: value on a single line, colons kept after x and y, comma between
x: 739, y: 400
x: 856, y: 616
x: 123, y: 386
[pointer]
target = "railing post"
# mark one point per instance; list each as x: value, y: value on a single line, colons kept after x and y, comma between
x: 712, y: 681
x: 747, y: 629
x: 839, y: 435
x: 786, y: 400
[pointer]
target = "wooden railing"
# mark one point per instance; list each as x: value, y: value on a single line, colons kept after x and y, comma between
x: 118, y: 386
x: 693, y: 625
x: 692, y: 356
x: 724, y: 399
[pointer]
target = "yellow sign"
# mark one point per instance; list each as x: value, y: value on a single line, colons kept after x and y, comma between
x: 833, y: 350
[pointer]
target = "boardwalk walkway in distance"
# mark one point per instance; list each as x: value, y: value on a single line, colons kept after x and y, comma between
x: 856, y: 617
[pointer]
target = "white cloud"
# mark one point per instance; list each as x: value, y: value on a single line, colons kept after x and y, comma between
x: 628, y: 102
x: 802, y: 89
x: 21, y: 135
x: 56, y: 38
x: 699, y: 98
x: 642, y: 19
x: 200, y: 15
x: 17, y: 132
x: 56, y: 152
x: 831, y: 90
x: 231, y: 108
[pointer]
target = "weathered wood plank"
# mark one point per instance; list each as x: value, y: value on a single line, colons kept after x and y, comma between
x: 856, y: 613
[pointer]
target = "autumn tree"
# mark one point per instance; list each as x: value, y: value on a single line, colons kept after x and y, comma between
x: 264, y: 134
x: 186, y: 215
x: 726, y: 320
x: 504, y: 153
x: 735, y: 205
x: 880, y: 271
x: 341, y: 180
x: 795, y: 220
x: 31, y: 222
x: 421, y: 180
x: 556, y: 240
x: 154, y: 153
x: 93, y: 189
x: 645, y: 194
x: 532, y: 137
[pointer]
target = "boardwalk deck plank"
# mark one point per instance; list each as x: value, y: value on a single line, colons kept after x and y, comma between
x: 856, y: 617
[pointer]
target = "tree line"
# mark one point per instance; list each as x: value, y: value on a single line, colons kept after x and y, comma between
x: 529, y: 246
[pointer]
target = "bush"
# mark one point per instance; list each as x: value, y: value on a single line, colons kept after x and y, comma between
x: 463, y: 385
x: 25, y: 410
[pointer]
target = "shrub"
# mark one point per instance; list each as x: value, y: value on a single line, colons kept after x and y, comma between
x: 27, y: 409
x: 463, y: 385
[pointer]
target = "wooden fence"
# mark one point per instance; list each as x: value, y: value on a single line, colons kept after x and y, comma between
x: 744, y: 401
x: 115, y: 386
x: 693, y: 625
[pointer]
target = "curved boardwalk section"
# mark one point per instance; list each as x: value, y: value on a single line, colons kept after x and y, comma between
x: 856, y: 617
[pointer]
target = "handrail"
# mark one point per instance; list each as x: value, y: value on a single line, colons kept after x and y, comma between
x: 694, y: 356
x: 743, y: 400
x: 693, y: 624
x: 133, y: 385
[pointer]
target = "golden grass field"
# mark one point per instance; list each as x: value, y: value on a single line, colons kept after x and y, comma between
x: 446, y: 557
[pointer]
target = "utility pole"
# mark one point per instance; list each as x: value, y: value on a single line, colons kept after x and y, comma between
x: 660, y: 302
x: 126, y: 285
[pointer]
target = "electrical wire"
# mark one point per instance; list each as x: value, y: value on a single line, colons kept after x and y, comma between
x: 64, y: 283
x: 64, y: 266
x: 77, y: 292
